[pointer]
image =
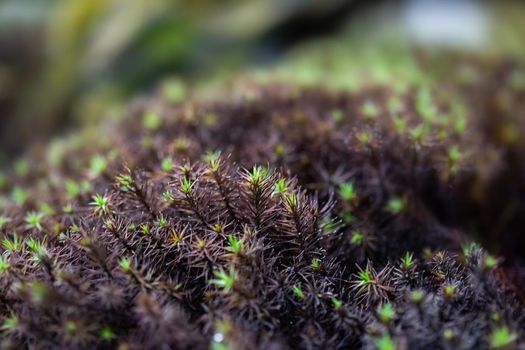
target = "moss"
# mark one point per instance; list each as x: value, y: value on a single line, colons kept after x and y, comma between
x: 295, y: 231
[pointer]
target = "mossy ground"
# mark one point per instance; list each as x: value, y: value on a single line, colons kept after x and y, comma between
x: 276, y: 217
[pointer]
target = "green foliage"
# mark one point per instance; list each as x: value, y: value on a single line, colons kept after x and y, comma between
x: 396, y: 205
x: 357, y: 238
x: 348, y: 192
x: 19, y: 195
x: 338, y: 304
x: 97, y: 165
x: 386, y: 313
x: 125, y: 264
x: 167, y: 164
x: 151, y: 120
x: 407, y: 261
x: 225, y: 280
x: 34, y: 220
x: 185, y: 185
x: 100, y: 204
x: 281, y: 187
x: 501, y: 337
x: 236, y: 245
x: 315, y: 264
x: 12, y: 245
x: 298, y: 292
x: 385, y: 342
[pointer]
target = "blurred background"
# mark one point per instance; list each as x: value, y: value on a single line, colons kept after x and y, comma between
x: 65, y: 63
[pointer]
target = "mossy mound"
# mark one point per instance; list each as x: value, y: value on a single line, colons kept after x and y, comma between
x: 276, y: 218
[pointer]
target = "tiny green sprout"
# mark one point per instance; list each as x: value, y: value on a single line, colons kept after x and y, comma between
x: 22, y: 167
x: 448, y: 334
x: 145, y: 229
x: 151, y: 120
x: 280, y: 149
x: 369, y: 110
x: 73, y: 189
x: 175, y: 237
x: 291, y: 200
x: 167, y: 164
x: 454, y: 155
x: 106, y: 334
x: 329, y: 226
x: 4, y: 264
x: 298, y: 292
x: 460, y: 125
x: 338, y: 304
x: 36, y: 246
x: 256, y: 175
x: 9, y: 324
x: 347, y: 217
x: 181, y: 144
x: 19, y: 195
x: 365, y: 278
x: 126, y: 182
x: 97, y: 165
x: 386, y: 313
x: 281, y: 187
x: 450, y: 291
x: 490, y: 262
x: 417, y: 296
x: 400, y: 125
x: 210, y: 119
x: 45, y: 209
x: 201, y: 244
x: 68, y: 209
x: 348, y: 192
x: 72, y: 328
x: 337, y: 115
x: 75, y: 228
x: 501, y: 338
x: 100, y: 204
x: 236, y: 245
x: 185, y: 185
x: 425, y: 106
x: 396, y: 205
x: 168, y: 197
x: 407, y: 261
x: 33, y: 220
x: 85, y: 186
x: 417, y: 133
x: 364, y: 138
x: 315, y: 264
x: 385, y: 342
x: 162, y: 221
x: 357, y: 238
x: 125, y: 264
x: 174, y: 90
x: 185, y: 169
x: 12, y: 245
x: 225, y: 280
x: 4, y: 220
x: 395, y: 105
x: 217, y: 228
x: 86, y: 242
x: 213, y: 158
x: 219, y: 346
x: 470, y: 248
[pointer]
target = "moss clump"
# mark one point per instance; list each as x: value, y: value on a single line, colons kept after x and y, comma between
x: 279, y: 218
